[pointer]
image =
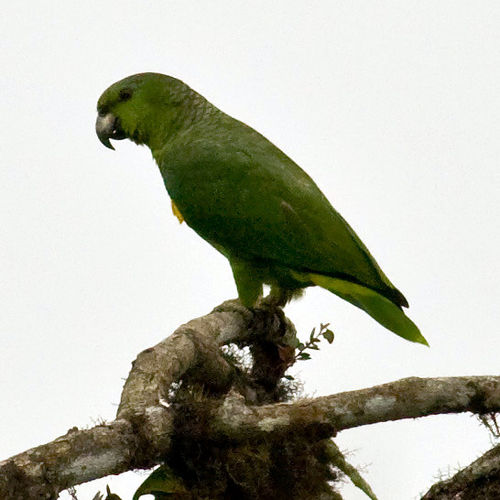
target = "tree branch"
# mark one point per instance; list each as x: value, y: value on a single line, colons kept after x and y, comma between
x: 84, y: 455
x: 407, y: 398
x: 141, y: 435
x: 196, y: 345
x: 481, y: 479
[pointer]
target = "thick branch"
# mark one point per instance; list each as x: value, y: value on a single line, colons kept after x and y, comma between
x: 407, y: 398
x: 76, y: 457
x: 481, y: 479
x: 80, y: 456
x: 84, y: 455
x: 196, y: 345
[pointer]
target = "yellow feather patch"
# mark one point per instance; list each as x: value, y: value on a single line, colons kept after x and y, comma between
x: 177, y: 212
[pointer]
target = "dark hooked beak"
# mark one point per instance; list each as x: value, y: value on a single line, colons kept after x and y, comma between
x: 107, y: 126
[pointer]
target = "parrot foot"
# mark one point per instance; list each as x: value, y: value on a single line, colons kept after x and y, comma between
x: 279, y: 297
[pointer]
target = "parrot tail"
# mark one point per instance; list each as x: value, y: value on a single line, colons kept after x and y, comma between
x: 380, y: 308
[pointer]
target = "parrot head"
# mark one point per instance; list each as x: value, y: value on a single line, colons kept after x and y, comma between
x: 129, y: 108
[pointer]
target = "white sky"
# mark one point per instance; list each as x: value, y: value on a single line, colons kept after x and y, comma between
x: 392, y: 107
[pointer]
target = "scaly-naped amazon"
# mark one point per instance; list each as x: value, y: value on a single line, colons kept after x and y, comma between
x: 248, y: 199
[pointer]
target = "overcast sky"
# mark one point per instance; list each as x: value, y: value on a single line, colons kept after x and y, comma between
x: 392, y: 107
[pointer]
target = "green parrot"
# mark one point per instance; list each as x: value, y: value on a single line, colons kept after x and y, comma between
x: 248, y: 199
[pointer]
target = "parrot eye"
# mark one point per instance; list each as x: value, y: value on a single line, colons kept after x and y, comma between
x: 125, y: 95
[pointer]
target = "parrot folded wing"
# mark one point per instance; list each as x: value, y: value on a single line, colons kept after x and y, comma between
x: 233, y: 197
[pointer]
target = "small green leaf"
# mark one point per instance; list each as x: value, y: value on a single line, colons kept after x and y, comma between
x: 111, y: 496
x: 161, y: 483
x: 288, y: 377
x: 329, y: 336
x: 338, y: 459
x: 314, y: 347
x: 300, y: 346
x: 304, y: 356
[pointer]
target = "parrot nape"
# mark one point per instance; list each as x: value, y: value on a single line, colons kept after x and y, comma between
x: 248, y: 199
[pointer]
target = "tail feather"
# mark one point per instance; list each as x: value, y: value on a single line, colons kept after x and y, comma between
x: 380, y: 308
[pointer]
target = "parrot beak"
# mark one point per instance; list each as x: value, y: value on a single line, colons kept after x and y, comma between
x: 107, y: 127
